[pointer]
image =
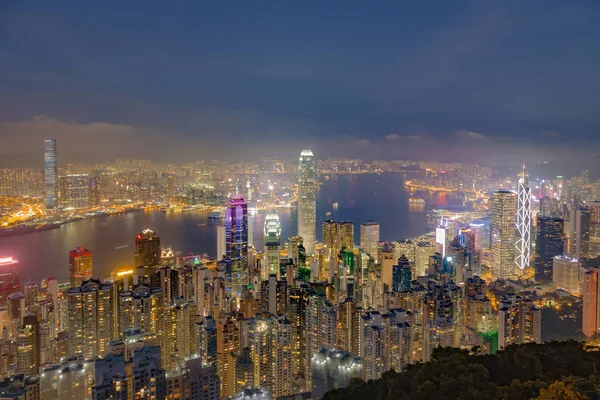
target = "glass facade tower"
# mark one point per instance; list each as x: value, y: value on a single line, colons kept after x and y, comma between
x: 50, y: 173
x: 307, y: 203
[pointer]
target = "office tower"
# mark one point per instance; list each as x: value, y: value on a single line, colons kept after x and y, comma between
x: 321, y: 324
x: 80, y: 265
x: 221, y: 242
x: 50, y: 174
x: 441, y: 239
x: 423, y: 251
x: 468, y: 239
x: 591, y: 302
x: 206, y: 337
x: 594, y: 208
x: 333, y: 369
x: 147, y: 252
x: 338, y: 235
x: 518, y: 321
x: 483, y: 229
x: 577, y: 233
x: 74, y: 192
x: 401, y: 275
x: 549, y: 244
x: 273, y: 296
x: 369, y: 236
x: 228, y: 343
x: 28, y: 342
x: 307, y: 203
x: 348, y: 334
x: 90, y: 316
x: 292, y: 245
x: 270, y: 342
x: 71, y: 378
x: 236, y: 240
x: 523, y: 234
x: 565, y: 274
x: 405, y: 247
x: 9, y: 277
x: 141, y: 377
x: 504, y: 205
x: 438, y: 332
x: 94, y: 192
x: 272, y: 242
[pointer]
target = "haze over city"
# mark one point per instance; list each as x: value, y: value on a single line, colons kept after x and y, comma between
x: 285, y: 200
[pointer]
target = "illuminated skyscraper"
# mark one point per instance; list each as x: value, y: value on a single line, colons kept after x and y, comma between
x: 221, y: 242
x: 523, y: 238
x: 321, y: 328
x: 236, y: 239
x: 549, y: 244
x: 80, y: 265
x: 504, y: 213
x: 577, y: 233
x: 369, y: 236
x: 338, y: 235
x: 307, y: 203
x: 9, y: 277
x: 566, y: 274
x: 147, y: 251
x: 74, y: 191
x: 518, y: 321
x: 272, y: 242
x: 94, y: 192
x: 591, y: 302
x: 50, y: 173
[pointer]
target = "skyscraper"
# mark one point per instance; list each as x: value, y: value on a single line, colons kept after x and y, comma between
x: 369, y: 236
x: 548, y: 244
x: 591, y: 302
x: 577, y: 233
x: 236, y: 239
x: 80, y: 265
x: 147, y: 251
x: 9, y: 277
x: 221, y: 242
x: 523, y: 239
x: 566, y: 274
x: 74, y: 191
x: 50, y: 173
x: 503, y: 234
x: 338, y: 235
x: 272, y: 242
x: 518, y: 321
x: 307, y: 205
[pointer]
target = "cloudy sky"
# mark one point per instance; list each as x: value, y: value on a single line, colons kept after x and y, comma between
x: 184, y: 80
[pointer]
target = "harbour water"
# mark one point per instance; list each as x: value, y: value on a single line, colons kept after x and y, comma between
x: 382, y: 198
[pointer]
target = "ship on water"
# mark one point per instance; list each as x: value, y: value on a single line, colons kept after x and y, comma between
x: 215, y: 215
x: 416, y: 200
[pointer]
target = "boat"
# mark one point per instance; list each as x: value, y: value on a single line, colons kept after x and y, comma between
x: 335, y: 206
x: 215, y: 215
x: 416, y: 200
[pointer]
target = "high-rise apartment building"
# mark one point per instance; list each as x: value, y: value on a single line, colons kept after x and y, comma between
x: 591, y: 302
x: 577, y: 233
x: 321, y: 327
x: 333, y: 369
x: 94, y: 192
x: 28, y: 350
x: 50, y: 173
x: 74, y: 192
x: 236, y: 240
x: 147, y: 252
x: 594, y: 208
x: 272, y: 234
x: 523, y: 234
x: 338, y: 235
x: 228, y: 344
x: 504, y: 213
x: 519, y: 321
x: 307, y: 203
x: 369, y: 237
x: 401, y: 275
x: 221, y: 242
x: 90, y: 318
x: 80, y: 265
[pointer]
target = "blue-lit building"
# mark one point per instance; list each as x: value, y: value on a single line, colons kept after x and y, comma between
x: 401, y: 275
x: 50, y: 173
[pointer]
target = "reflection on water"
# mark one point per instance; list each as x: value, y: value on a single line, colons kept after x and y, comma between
x: 361, y: 197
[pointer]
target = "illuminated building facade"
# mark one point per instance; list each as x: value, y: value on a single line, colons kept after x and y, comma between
x: 50, y: 174
x: 321, y: 328
x: 566, y: 274
x: 9, y: 277
x: 504, y: 211
x: 591, y: 302
x: 94, y: 192
x: 74, y: 192
x: 523, y: 234
x: 594, y: 209
x: 518, y: 321
x: 221, y: 242
x: 272, y: 234
x: 147, y: 252
x: 307, y: 203
x: 549, y: 244
x: 80, y: 265
x: 369, y: 237
x: 236, y: 240
x: 333, y: 369
x: 338, y: 235
x: 577, y: 233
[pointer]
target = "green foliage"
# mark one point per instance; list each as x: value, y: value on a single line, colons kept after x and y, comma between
x: 524, y: 372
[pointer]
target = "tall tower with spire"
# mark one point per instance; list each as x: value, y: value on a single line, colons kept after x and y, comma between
x: 523, y: 228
